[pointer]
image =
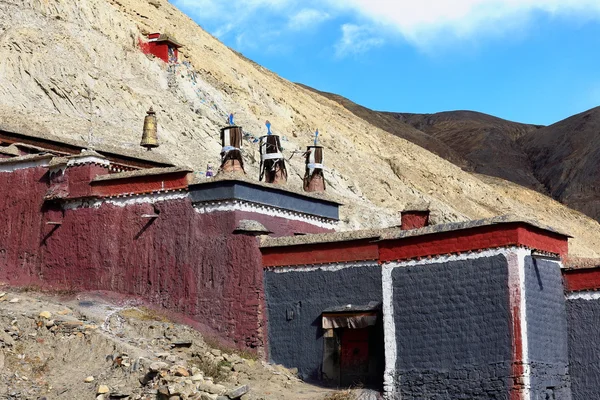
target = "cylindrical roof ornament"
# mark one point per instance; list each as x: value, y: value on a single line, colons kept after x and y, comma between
x: 150, y: 135
x: 272, y: 162
x: 231, y: 152
x: 314, y: 180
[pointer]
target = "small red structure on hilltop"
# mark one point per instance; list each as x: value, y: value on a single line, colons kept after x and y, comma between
x: 162, y: 46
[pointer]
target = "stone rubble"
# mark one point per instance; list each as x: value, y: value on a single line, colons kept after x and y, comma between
x: 95, y: 350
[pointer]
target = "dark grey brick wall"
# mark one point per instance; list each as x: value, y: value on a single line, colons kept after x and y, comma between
x: 453, y: 330
x: 583, y: 318
x: 298, y: 342
x: 546, y: 330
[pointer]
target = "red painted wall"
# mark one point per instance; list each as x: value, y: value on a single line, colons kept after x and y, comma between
x: 484, y: 237
x: 158, y: 49
x: 321, y: 253
x: 414, y: 220
x: 582, y: 279
x: 184, y: 261
x: 144, y: 184
x: 22, y: 226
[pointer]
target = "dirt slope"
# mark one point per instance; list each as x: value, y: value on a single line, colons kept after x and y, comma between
x: 69, y: 347
x: 74, y: 70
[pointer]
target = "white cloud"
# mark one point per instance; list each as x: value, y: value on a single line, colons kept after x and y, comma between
x: 307, y: 18
x: 355, y: 40
x: 425, y: 21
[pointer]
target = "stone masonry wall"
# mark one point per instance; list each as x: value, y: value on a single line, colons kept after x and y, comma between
x: 583, y: 313
x: 298, y: 342
x: 546, y: 330
x: 452, y: 330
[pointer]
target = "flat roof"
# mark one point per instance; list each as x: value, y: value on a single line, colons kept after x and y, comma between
x: 140, y: 173
x: 224, y: 177
x: 25, y: 158
x: 236, y: 187
x: 44, y: 141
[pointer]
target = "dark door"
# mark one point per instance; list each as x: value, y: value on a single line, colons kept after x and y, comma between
x: 354, y: 357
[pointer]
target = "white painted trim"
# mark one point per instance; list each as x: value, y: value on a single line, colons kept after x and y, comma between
x: 80, y: 160
x: 521, y: 254
x: 389, y: 332
x: 237, y: 205
x: 126, y: 201
x: 584, y: 295
x: 322, y: 267
x: 389, y: 327
x: 7, y: 168
x: 271, y: 156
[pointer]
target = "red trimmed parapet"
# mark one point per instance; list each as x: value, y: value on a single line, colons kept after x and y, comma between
x: 396, y: 244
x: 141, y: 181
x: 320, y: 253
x: 582, y: 279
x: 473, y: 239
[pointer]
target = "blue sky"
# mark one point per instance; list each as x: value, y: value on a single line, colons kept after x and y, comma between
x: 535, y: 61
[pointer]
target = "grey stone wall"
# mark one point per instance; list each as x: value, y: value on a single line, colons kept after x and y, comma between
x: 452, y: 325
x: 546, y: 330
x: 295, y: 301
x: 583, y: 318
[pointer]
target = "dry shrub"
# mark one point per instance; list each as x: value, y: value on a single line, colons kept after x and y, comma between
x: 211, y: 369
x: 219, y: 345
x: 144, y: 314
x: 341, y: 395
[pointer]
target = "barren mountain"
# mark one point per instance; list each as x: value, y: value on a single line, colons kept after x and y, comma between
x: 488, y: 143
x: 566, y: 159
x: 474, y: 141
x: 74, y: 70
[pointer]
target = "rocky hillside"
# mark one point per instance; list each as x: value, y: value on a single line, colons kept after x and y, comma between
x: 566, y: 159
x: 74, y: 70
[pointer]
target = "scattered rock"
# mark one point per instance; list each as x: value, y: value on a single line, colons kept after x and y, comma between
x: 197, y: 378
x: 181, y: 371
x: 15, y: 300
x: 2, y: 294
x: 102, y: 389
x: 210, y: 387
x: 89, y: 379
x: 179, y: 344
x: 158, y: 366
x: 45, y: 314
x: 117, y: 395
x: 238, y: 392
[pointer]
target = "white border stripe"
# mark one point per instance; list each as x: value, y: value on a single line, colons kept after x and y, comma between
x: 521, y: 254
x: 584, y: 295
x: 236, y: 205
x: 125, y: 201
x: 322, y: 267
x: 7, y: 168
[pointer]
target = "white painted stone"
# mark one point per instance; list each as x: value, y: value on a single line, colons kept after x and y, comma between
x: 584, y: 295
x: 223, y: 206
x: 323, y: 267
x: 126, y: 201
x: 7, y: 168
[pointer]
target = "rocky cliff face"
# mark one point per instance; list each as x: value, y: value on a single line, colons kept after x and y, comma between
x: 73, y: 69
